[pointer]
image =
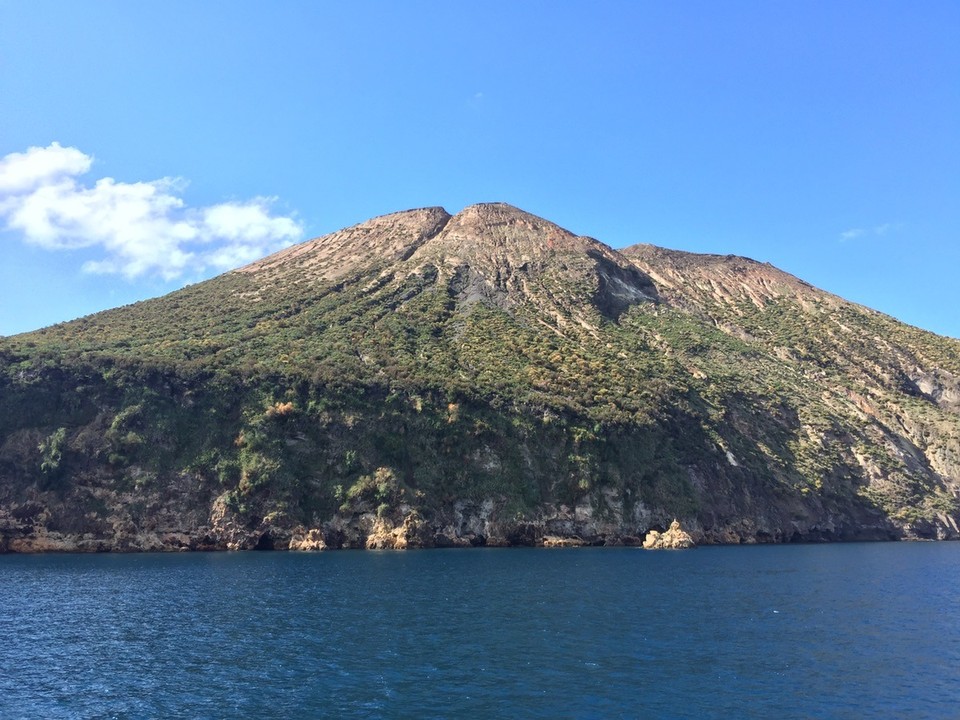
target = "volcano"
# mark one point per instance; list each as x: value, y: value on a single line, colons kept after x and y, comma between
x: 425, y: 379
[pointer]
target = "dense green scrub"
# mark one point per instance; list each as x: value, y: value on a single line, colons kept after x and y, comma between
x: 423, y: 383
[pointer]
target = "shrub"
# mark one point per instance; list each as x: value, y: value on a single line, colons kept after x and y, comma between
x: 51, y: 452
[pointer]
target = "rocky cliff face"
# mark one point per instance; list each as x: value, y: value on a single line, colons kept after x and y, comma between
x: 425, y: 380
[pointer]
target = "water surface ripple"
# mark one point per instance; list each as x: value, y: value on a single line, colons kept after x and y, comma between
x: 825, y: 631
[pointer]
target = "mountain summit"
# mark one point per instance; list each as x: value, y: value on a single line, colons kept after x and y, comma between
x: 425, y: 379
x: 492, y: 253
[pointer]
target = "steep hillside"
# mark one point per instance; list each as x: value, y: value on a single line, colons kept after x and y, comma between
x: 424, y: 379
x: 891, y: 392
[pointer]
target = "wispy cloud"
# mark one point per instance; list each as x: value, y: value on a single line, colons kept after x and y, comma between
x: 876, y: 230
x: 140, y: 228
x: 852, y: 233
x: 477, y: 100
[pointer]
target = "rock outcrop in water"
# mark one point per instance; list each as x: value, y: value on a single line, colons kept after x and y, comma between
x: 486, y: 378
x: 673, y: 538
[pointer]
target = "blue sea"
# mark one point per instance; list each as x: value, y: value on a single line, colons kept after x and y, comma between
x: 799, y: 631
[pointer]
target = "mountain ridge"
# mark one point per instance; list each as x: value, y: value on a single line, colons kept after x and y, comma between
x: 488, y: 377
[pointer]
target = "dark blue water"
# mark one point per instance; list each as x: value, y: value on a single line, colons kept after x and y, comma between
x: 826, y: 631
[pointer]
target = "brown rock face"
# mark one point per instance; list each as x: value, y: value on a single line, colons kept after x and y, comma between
x: 675, y: 538
x: 387, y: 239
x: 308, y: 541
x: 385, y: 536
x: 699, y: 279
x: 491, y: 253
x: 500, y: 255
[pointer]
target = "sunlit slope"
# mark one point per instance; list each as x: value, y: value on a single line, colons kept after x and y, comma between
x: 873, y: 396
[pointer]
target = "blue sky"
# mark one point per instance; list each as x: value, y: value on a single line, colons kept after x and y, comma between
x: 145, y: 145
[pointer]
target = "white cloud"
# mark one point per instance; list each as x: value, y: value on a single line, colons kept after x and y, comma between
x: 852, y: 233
x: 876, y: 231
x: 142, y: 228
x: 247, y: 222
x: 21, y: 172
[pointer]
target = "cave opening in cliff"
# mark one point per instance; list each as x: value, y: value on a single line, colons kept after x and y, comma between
x: 264, y: 543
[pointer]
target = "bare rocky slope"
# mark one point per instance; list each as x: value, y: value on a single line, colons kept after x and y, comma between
x: 486, y: 378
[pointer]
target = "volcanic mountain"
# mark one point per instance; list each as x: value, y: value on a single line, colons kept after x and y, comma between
x: 423, y: 380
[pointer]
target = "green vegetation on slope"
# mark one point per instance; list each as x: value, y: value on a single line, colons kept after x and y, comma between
x: 288, y: 399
